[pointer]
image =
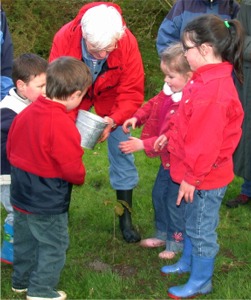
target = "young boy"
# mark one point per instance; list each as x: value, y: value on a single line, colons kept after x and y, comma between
x: 45, y: 162
x: 156, y: 115
x: 28, y: 75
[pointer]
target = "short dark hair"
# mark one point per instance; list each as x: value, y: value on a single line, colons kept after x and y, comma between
x: 27, y: 66
x: 66, y: 75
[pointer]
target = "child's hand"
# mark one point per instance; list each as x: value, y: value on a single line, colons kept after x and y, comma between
x: 186, y: 191
x: 130, y: 122
x: 160, y: 143
x: 132, y: 145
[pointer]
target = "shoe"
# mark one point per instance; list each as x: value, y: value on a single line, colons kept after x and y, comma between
x: 62, y: 296
x: 239, y: 200
x: 19, y: 290
x: 152, y: 243
x: 167, y: 254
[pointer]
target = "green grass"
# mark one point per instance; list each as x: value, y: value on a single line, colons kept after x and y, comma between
x: 100, y: 265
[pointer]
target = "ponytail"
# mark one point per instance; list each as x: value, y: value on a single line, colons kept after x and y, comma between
x: 226, y: 38
x: 234, y: 53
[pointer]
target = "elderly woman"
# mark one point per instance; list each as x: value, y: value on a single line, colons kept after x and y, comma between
x: 98, y: 36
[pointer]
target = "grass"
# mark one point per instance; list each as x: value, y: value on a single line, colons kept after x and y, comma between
x: 100, y: 265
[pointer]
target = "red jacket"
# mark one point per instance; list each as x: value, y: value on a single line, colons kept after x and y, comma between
x: 156, y: 115
x: 43, y: 140
x: 119, y: 91
x: 206, y: 129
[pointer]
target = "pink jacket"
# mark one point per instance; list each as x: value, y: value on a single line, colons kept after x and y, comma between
x: 206, y: 129
x: 119, y: 91
x: 156, y: 114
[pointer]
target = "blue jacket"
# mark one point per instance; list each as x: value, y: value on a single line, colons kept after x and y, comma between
x: 6, y: 56
x: 184, y: 11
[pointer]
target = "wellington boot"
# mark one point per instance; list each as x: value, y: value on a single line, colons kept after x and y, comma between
x: 200, y: 281
x: 129, y: 233
x: 184, y: 263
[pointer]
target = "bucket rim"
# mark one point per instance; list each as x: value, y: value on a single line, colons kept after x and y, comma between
x: 92, y: 116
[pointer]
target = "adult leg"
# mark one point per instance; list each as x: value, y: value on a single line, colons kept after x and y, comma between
x: 123, y: 179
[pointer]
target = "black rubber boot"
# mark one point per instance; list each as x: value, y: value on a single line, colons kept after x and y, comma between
x: 130, y: 235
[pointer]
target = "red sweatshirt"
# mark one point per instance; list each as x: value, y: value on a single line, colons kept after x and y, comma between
x: 43, y: 140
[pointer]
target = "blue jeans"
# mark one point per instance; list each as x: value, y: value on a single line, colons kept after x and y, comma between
x: 201, y: 221
x: 123, y: 173
x: 246, y: 188
x: 169, y: 218
x: 5, y: 199
x: 39, y: 252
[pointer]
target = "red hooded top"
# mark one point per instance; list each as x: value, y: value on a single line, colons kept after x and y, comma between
x: 119, y: 89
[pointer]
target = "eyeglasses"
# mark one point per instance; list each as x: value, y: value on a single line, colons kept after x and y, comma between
x: 186, y: 48
x: 108, y: 50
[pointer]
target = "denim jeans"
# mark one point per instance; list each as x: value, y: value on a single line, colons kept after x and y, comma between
x: 5, y: 199
x: 246, y: 188
x: 201, y: 221
x: 123, y: 173
x: 39, y: 252
x: 169, y: 218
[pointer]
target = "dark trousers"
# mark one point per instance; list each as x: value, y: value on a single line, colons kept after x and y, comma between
x: 40, y: 248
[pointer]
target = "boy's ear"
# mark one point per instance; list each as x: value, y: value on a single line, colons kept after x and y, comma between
x: 74, y: 95
x: 20, y: 84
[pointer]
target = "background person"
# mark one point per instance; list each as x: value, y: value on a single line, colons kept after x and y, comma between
x: 242, y: 155
x: 184, y: 11
x: 28, y: 74
x: 98, y: 36
x: 6, y: 56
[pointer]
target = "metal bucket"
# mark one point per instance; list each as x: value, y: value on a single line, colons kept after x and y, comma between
x: 90, y: 127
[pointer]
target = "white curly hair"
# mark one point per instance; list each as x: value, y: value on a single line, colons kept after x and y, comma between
x: 102, y: 26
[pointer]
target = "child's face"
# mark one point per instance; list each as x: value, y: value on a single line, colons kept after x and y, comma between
x: 196, y: 55
x: 175, y: 80
x: 34, y: 88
